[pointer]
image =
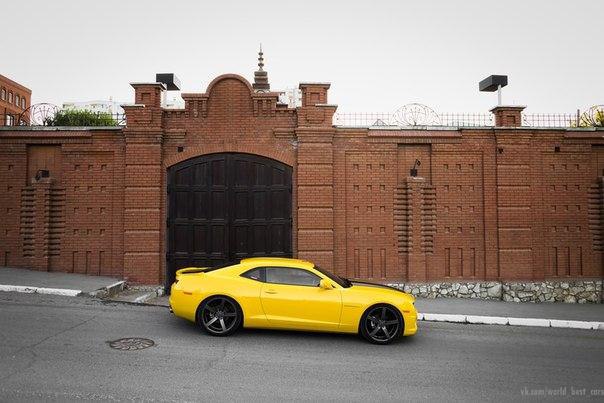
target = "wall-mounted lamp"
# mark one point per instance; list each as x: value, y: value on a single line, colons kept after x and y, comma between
x: 413, y: 171
x: 42, y: 173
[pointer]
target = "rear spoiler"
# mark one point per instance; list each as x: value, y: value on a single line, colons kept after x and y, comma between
x: 190, y: 270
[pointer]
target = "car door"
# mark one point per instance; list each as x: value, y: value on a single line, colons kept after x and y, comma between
x: 291, y: 298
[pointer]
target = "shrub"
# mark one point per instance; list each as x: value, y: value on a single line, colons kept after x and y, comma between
x: 70, y: 117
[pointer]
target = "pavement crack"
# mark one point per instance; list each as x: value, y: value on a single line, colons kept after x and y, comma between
x: 31, y: 348
x: 211, y: 363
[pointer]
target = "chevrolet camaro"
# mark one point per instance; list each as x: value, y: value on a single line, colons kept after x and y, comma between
x: 289, y: 294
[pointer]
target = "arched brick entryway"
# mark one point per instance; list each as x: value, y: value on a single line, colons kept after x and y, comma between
x: 227, y: 206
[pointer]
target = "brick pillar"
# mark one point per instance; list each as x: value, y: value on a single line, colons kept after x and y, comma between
x: 314, y: 178
x: 143, y: 186
x: 315, y: 201
x: 508, y: 116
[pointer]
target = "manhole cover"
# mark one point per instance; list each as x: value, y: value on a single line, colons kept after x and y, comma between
x: 131, y: 343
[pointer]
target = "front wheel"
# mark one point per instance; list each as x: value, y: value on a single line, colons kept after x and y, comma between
x: 381, y: 324
x: 219, y: 316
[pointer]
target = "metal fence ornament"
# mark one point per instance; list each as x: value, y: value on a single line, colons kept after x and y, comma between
x: 39, y: 114
x: 415, y: 115
x: 593, y: 117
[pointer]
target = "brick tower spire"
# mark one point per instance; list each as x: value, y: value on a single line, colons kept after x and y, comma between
x: 260, y: 76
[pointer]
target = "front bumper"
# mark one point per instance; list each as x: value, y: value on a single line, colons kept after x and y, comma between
x: 410, y: 319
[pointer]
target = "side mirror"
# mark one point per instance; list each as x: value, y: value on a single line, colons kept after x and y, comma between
x: 325, y: 284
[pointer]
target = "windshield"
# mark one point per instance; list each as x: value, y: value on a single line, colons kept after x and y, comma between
x: 343, y: 282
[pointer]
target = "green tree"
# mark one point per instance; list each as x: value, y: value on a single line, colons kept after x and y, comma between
x: 69, y: 117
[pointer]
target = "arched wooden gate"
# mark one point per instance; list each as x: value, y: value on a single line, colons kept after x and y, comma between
x: 224, y: 207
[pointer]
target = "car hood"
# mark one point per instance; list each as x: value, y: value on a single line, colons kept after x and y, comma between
x: 364, y: 284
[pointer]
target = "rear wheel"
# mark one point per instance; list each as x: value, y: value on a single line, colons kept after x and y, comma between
x: 219, y: 316
x: 381, y: 324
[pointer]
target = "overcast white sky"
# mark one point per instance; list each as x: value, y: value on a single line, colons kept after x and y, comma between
x: 378, y: 55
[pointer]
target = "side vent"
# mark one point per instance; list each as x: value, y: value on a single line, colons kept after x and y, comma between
x: 595, y: 211
x: 28, y: 206
x: 428, y: 218
x: 403, y: 217
x: 56, y: 220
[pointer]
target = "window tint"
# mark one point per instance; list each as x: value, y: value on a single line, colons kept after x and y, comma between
x: 286, y: 275
x: 255, y: 274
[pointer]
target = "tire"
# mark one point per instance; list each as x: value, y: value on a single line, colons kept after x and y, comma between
x: 381, y: 324
x: 219, y: 315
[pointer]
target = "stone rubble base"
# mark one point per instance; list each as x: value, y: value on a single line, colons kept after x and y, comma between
x: 571, y: 291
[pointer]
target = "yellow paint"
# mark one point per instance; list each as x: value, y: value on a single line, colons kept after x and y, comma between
x: 291, y: 307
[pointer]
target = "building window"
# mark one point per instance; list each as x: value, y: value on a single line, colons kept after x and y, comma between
x: 3, y: 94
x: 23, y: 103
x: 9, y: 120
x: 10, y: 97
x: 17, y: 100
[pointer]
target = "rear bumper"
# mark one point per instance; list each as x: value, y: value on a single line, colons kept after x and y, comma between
x: 182, y: 305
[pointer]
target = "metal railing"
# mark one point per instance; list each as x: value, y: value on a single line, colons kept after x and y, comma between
x: 593, y: 117
x: 393, y: 119
x: 551, y: 120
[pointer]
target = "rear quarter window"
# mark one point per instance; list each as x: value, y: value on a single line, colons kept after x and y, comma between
x: 258, y: 274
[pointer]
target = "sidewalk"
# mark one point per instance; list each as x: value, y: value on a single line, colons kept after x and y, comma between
x: 68, y: 284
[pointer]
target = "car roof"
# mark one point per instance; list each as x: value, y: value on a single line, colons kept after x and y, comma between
x: 277, y: 261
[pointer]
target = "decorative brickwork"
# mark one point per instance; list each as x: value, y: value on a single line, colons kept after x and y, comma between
x: 502, y: 205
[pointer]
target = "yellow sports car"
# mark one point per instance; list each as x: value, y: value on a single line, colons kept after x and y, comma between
x: 278, y: 293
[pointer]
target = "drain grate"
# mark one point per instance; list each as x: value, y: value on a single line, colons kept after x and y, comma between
x: 131, y: 343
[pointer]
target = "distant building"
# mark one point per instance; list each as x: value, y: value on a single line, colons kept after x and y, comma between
x: 113, y: 107
x: 14, y: 100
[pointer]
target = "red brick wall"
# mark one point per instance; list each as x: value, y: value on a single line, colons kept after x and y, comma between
x: 503, y: 203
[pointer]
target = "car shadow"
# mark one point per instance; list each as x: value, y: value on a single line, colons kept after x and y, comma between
x: 323, y: 338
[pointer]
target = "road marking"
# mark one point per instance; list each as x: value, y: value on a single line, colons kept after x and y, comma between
x: 40, y: 290
x: 499, y: 320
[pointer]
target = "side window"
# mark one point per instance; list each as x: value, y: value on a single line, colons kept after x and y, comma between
x: 257, y: 274
x: 291, y: 276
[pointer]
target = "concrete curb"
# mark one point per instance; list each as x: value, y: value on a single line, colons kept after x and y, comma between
x: 157, y: 292
x: 109, y: 290
x: 499, y: 320
x: 40, y: 290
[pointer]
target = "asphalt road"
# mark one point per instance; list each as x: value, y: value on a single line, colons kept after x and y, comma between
x: 55, y: 348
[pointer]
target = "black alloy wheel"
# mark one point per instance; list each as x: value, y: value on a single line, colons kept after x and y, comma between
x: 219, y: 316
x: 381, y: 324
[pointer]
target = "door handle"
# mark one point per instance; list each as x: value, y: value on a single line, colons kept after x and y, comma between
x: 270, y: 292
